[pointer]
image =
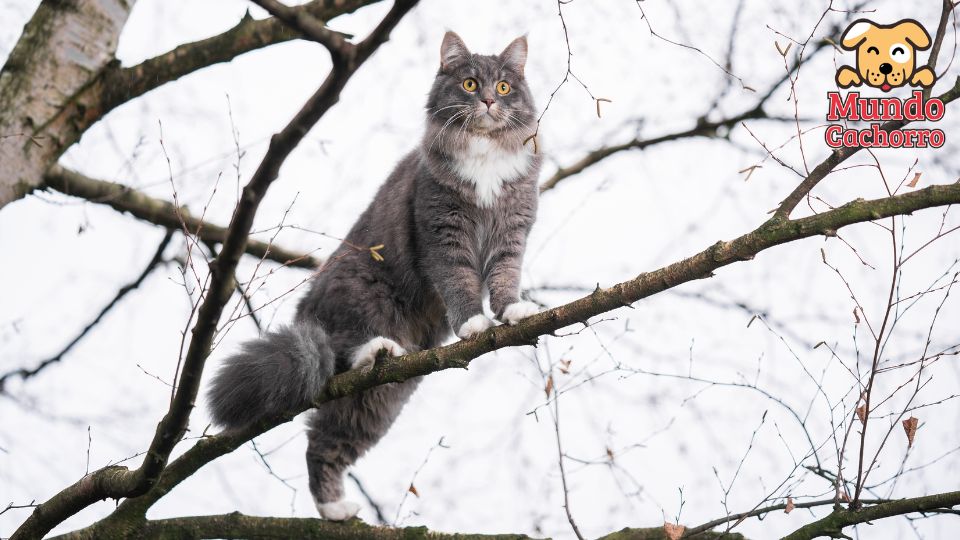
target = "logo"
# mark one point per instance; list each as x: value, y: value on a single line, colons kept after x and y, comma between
x: 886, y: 60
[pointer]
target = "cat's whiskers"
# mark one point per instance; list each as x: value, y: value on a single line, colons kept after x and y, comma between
x: 449, y: 121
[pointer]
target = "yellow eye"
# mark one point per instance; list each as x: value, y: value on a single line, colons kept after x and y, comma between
x: 503, y: 88
x: 470, y: 85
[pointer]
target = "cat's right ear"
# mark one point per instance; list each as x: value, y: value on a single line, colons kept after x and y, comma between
x: 452, y: 50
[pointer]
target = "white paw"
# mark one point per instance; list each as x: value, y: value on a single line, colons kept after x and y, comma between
x: 474, y: 325
x: 341, y: 510
x: 365, y: 355
x: 519, y: 310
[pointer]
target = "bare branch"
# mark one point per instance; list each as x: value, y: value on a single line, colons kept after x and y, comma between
x: 833, y: 524
x: 117, y: 482
x: 458, y: 355
x: 163, y: 213
x: 26, y: 373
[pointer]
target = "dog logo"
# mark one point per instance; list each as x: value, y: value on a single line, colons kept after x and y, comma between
x: 886, y: 55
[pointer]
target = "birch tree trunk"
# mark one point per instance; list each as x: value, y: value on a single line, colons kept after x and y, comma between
x: 63, y: 50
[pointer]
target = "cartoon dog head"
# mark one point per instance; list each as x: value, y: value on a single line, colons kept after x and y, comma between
x: 886, y: 55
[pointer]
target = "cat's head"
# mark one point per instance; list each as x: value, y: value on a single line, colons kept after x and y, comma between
x: 481, y: 94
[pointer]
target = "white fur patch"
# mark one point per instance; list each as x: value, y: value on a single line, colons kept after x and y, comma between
x: 474, y: 325
x: 365, y: 355
x: 857, y: 30
x: 487, y: 167
x: 341, y: 510
x: 519, y: 310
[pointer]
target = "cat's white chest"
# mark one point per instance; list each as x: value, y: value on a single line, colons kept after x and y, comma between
x: 488, y: 167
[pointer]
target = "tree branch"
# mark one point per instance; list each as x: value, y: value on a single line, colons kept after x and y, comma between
x: 117, y: 482
x: 237, y: 525
x: 703, y: 128
x: 26, y: 373
x: 163, y: 213
x: 458, y: 355
x: 121, y: 85
x: 833, y: 524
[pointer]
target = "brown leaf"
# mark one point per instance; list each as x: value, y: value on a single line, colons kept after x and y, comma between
x: 862, y: 414
x: 598, y: 100
x: 673, y: 532
x: 790, y: 506
x: 842, y: 495
x: 910, y: 427
x: 413, y: 490
x: 783, y: 52
x: 549, y: 387
x: 856, y: 318
x: 916, y: 178
x: 565, y: 366
x: 610, y: 453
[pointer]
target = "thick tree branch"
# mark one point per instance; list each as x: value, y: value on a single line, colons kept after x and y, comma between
x: 458, y: 355
x: 832, y: 525
x: 306, y: 24
x: 121, y: 85
x: 117, y: 482
x: 237, y: 525
x: 163, y: 213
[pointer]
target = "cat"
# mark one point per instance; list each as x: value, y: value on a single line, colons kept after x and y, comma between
x: 453, y: 218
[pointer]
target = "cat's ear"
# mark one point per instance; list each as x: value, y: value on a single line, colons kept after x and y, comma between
x: 515, y: 55
x: 452, y: 50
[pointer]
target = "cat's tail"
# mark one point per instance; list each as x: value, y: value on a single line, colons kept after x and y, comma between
x: 284, y: 370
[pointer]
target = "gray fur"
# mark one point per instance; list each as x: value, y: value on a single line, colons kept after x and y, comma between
x: 442, y: 248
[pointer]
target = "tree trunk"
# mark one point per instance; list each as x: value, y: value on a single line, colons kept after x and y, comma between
x: 63, y: 50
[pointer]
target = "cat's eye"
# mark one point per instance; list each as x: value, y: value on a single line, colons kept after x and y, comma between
x: 470, y: 85
x: 503, y: 88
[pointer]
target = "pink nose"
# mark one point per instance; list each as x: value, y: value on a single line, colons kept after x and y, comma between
x: 488, y: 101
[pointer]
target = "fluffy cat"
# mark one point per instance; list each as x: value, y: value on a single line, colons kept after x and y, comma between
x: 453, y: 218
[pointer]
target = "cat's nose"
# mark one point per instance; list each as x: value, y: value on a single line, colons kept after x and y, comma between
x: 488, y: 101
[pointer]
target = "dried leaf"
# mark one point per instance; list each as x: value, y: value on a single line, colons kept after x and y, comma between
x: 790, y: 506
x: 598, y: 100
x: 549, y: 387
x: 673, y: 532
x: 375, y: 253
x: 610, y: 453
x: 819, y: 343
x: 565, y: 366
x: 749, y: 171
x: 413, y: 489
x: 916, y: 178
x: 856, y: 317
x: 842, y: 495
x: 910, y: 427
x: 783, y: 52
x: 862, y: 414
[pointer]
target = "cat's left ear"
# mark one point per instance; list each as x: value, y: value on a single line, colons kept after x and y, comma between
x: 515, y: 55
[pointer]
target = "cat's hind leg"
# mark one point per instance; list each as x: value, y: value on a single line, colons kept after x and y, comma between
x: 342, y: 430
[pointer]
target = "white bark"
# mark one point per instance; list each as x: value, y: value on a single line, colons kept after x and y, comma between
x: 64, y: 47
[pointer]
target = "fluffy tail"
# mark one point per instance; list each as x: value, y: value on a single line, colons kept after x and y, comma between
x: 282, y: 371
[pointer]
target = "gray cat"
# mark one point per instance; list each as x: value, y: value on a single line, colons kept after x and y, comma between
x: 453, y: 218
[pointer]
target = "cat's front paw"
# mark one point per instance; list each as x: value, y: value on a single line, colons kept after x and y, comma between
x: 366, y: 355
x: 341, y: 510
x: 474, y: 325
x: 519, y: 310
